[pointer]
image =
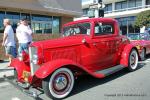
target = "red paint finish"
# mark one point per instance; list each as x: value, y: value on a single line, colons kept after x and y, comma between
x: 144, y: 44
x: 86, y: 52
x: 20, y: 66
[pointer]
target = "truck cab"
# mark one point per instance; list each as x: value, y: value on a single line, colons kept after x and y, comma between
x: 91, y: 46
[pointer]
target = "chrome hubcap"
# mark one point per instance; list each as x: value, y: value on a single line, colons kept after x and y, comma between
x: 60, y: 82
x: 133, y: 60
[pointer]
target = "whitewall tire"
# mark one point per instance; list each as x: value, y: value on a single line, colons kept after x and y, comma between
x: 59, y: 84
x: 133, y: 60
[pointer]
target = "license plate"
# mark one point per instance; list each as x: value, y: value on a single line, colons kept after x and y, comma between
x: 26, y: 74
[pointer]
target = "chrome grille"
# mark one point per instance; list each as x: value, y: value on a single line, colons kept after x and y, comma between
x: 32, y: 52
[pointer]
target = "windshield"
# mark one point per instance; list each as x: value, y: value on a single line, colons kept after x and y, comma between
x: 80, y: 28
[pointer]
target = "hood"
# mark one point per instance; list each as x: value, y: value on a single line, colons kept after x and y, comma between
x: 60, y: 42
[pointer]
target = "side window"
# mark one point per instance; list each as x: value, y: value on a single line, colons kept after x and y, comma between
x: 80, y: 28
x: 104, y: 29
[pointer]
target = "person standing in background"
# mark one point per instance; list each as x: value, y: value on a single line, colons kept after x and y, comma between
x: 24, y: 36
x: 8, y: 40
x: 142, y: 30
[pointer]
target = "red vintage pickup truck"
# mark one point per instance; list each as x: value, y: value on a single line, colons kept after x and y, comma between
x: 91, y: 46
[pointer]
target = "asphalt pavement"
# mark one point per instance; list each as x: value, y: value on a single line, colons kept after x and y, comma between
x: 119, y: 86
x: 5, y: 70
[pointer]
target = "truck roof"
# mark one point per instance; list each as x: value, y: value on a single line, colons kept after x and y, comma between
x: 91, y: 20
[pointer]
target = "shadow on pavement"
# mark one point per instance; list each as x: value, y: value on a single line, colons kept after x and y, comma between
x: 86, y: 82
x: 148, y: 56
x: 3, y: 61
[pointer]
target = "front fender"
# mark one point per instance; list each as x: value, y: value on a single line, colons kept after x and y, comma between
x: 48, y: 68
x: 19, y: 66
x: 126, y: 52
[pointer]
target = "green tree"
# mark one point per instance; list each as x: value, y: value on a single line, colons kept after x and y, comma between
x: 143, y: 19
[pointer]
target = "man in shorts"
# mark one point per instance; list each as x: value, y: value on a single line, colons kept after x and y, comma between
x: 8, y: 40
x: 24, y: 36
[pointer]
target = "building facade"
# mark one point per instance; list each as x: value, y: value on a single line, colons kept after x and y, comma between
x: 124, y: 11
x: 45, y: 16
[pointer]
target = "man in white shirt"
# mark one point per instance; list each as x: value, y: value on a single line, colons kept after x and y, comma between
x: 142, y: 30
x: 24, y: 36
x: 8, y: 40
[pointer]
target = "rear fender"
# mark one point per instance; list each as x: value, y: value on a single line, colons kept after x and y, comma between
x: 126, y: 52
x: 48, y: 68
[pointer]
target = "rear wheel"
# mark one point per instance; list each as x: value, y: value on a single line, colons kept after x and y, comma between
x: 59, y: 84
x: 133, y: 60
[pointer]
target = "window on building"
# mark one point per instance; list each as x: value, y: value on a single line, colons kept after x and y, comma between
x: 127, y: 25
x: 56, y: 25
x: 124, y: 4
x: 2, y: 16
x: 138, y: 3
x: 108, y: 7
x: 85, y: 11
x: 131, y: 28
x: 41, y: 18
x: 120, y: 5
x: 131, y: 3
x: 24, y: 15
x: 14, y: 17
x: 147, y: 2
x: 41, y: 24
x: 134, y: 3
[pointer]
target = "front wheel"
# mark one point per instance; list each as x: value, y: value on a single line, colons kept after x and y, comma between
x: 59, y: 84
x: 133, y: 60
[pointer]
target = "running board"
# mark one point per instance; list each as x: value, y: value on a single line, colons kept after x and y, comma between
x: 110, y: 71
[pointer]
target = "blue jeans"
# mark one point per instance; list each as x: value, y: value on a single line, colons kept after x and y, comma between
x: 11, y: 50
x: 23, y: 47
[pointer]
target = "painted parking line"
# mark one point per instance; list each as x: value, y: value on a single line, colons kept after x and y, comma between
x: 15, y: 98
